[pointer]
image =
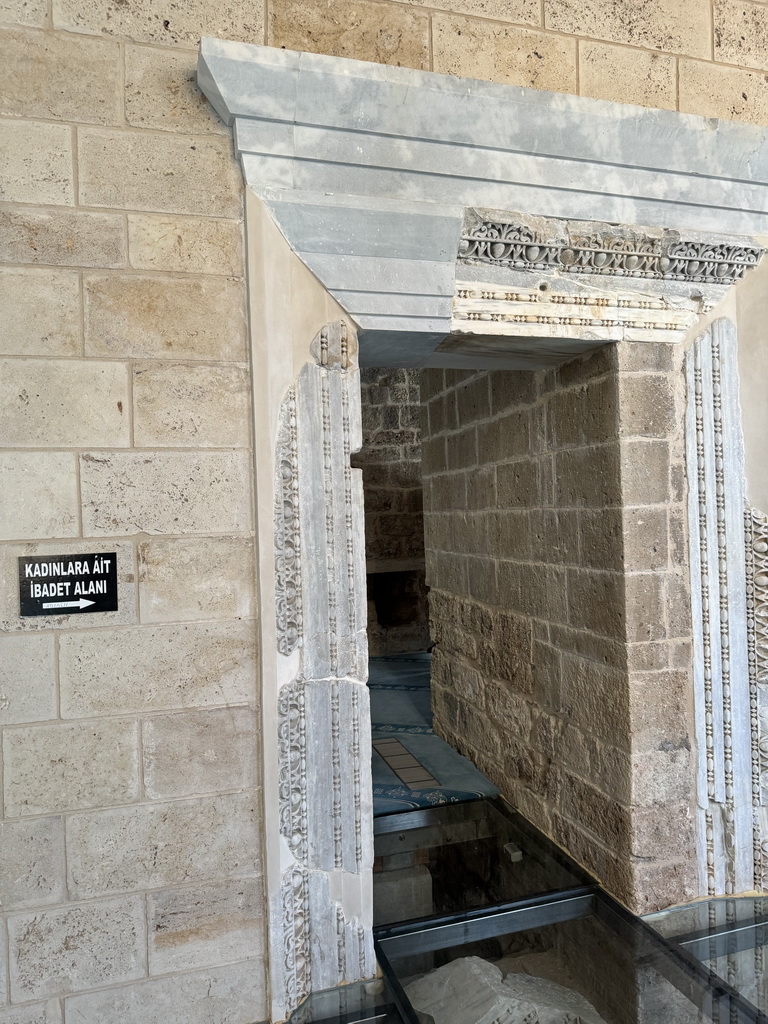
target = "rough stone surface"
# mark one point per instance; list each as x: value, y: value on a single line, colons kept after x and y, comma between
x: 27, y: 678
x: 224, y: 995
x: 627, y: 76
x: 39, y: 1013
x: 189, y: 245
x: 741, y: 33
x: 67, y: 238
x: 363, y: 29
x: 40, y: 312
x: 75, y: 948
x: 164, y: 492
x: 156, y: 316
x: 157, y: 668
x: 204, y: 927
x: 44, y: 485
x: 33, y: 863
x: 24, y: 12
x: 162, y: 173
x: 199, y: 752
x: 63, y: 404
x: 501, y: 53
x: 161, y: 92
x: 196, y: 578
x: 180, y: 406
x: 35, y: 163
x: 64, y: 767
x: 161, y: 845
x: 717, y: 91
x: 60, y: 77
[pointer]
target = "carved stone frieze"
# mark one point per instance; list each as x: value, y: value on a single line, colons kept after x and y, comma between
x: 661, y: 257
x: 288, y: 597
x: 292, y: 770
x: 296, y: 936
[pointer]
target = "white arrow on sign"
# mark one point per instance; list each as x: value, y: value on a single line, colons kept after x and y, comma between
x: 82, y: 603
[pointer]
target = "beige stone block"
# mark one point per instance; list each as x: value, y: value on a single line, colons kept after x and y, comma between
x: 63, y: 404
x: 627, y: 76
x: 205, y: 927
x: 662, y: 777
x: 645, y: 539
x: 584, y: 415
x: 647, y: 405
x: 741, y: 33
x: 9, y: 588
x: 595, y: 602
x: 3, y: 967
x: 38, y: 495
x: 596, y: 698
x: 148, y: 316
x: 223, y: 995
x: 24, y: 12
x: 165, y: 492
x: 501, y: 53
x: 161, y: 92
x: 33, y: 863
x: 645, y: 607
x: 179, y: 406
x: 162, y: 173
x: 526, y: 11
x: 674, y: 26
x: 157, y: 668
x: 35, y: 163
x: 27, y: 675
x: 40, y: 312
x: 144, y: 21
x: 67, y: 238
x: 60, y: 77
x: 196, y: 578
x: 588, y: 477
x: 78, y: 947
x: 156, y: 846
x: 189, y: 245
x: 363, y: 29
x: 200, y: 752
x: 64, y: 767
x: 645, y: 472
x: 715, y: 91
x: 33, y: 1013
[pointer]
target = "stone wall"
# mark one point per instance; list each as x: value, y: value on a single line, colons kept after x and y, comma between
x: 556, y: 557
x: 130, y: 871
x: 394, y: 525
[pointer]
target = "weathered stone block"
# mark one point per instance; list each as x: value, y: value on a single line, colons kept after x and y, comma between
x: 27, y: 677
x: 584, y: 415
x: 162, y: 845
x: 9, y: 600
x: 67, y: 238
x: 712, y: 90
x: 506, y: 438
x: 196, y: 578
x: 161, y: 92
x: 35, y: 163
x: 646, y: 619
x: 224, y: 995
x: 588, y: 477
x: 37, y: 1013
x: 645, y: 539
x: 627, y: 76
x: 511, y: 388
x: 188, y: 245
x: 198, y: 406
x: 645, y: 472
x: 501, y: 53
x: 40, y: 312
x: 143, y: 21
x: 600, y: 539
x: 674, y: 26
x: 517, y: 484
x: 24, y: 12
x: 67, y: 766
x: 44, y: 486
x: 661, y: 708
x: 741, y: 33
x: 143, y: 317
x: 165, y: 492
x: 647, y: 406
x: 205, y: 927
x: 596, y: 602
x: 362, y: 29
x: 33, y: 863
x: 76, y: 947
x: 608, y: 819
x: 200, y: 752
x: 158, y: 668
x: 662, y: 777
x: 161, y: 173
x: 63, y: 404
x: 60, y: 77
x: 595, y: 697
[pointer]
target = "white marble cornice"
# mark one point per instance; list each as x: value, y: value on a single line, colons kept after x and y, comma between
x: 369, y: 171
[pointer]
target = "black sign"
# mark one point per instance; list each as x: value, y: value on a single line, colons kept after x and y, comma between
x: 68, y: 584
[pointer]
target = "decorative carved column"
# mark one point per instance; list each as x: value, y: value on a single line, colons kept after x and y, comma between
x: 323, y: 718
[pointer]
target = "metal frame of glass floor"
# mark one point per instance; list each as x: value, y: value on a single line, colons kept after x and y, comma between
x: 493, y: 885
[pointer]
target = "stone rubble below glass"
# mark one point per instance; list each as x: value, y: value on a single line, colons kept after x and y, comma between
x: 474, y: 991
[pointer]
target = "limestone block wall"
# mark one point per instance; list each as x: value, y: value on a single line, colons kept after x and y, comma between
x: 130, y: 842
x: 555, y: 534
x: 394, y: 524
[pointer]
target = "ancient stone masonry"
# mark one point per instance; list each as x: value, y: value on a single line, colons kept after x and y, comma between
x: 626, y: 254
x: 323, y: 712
